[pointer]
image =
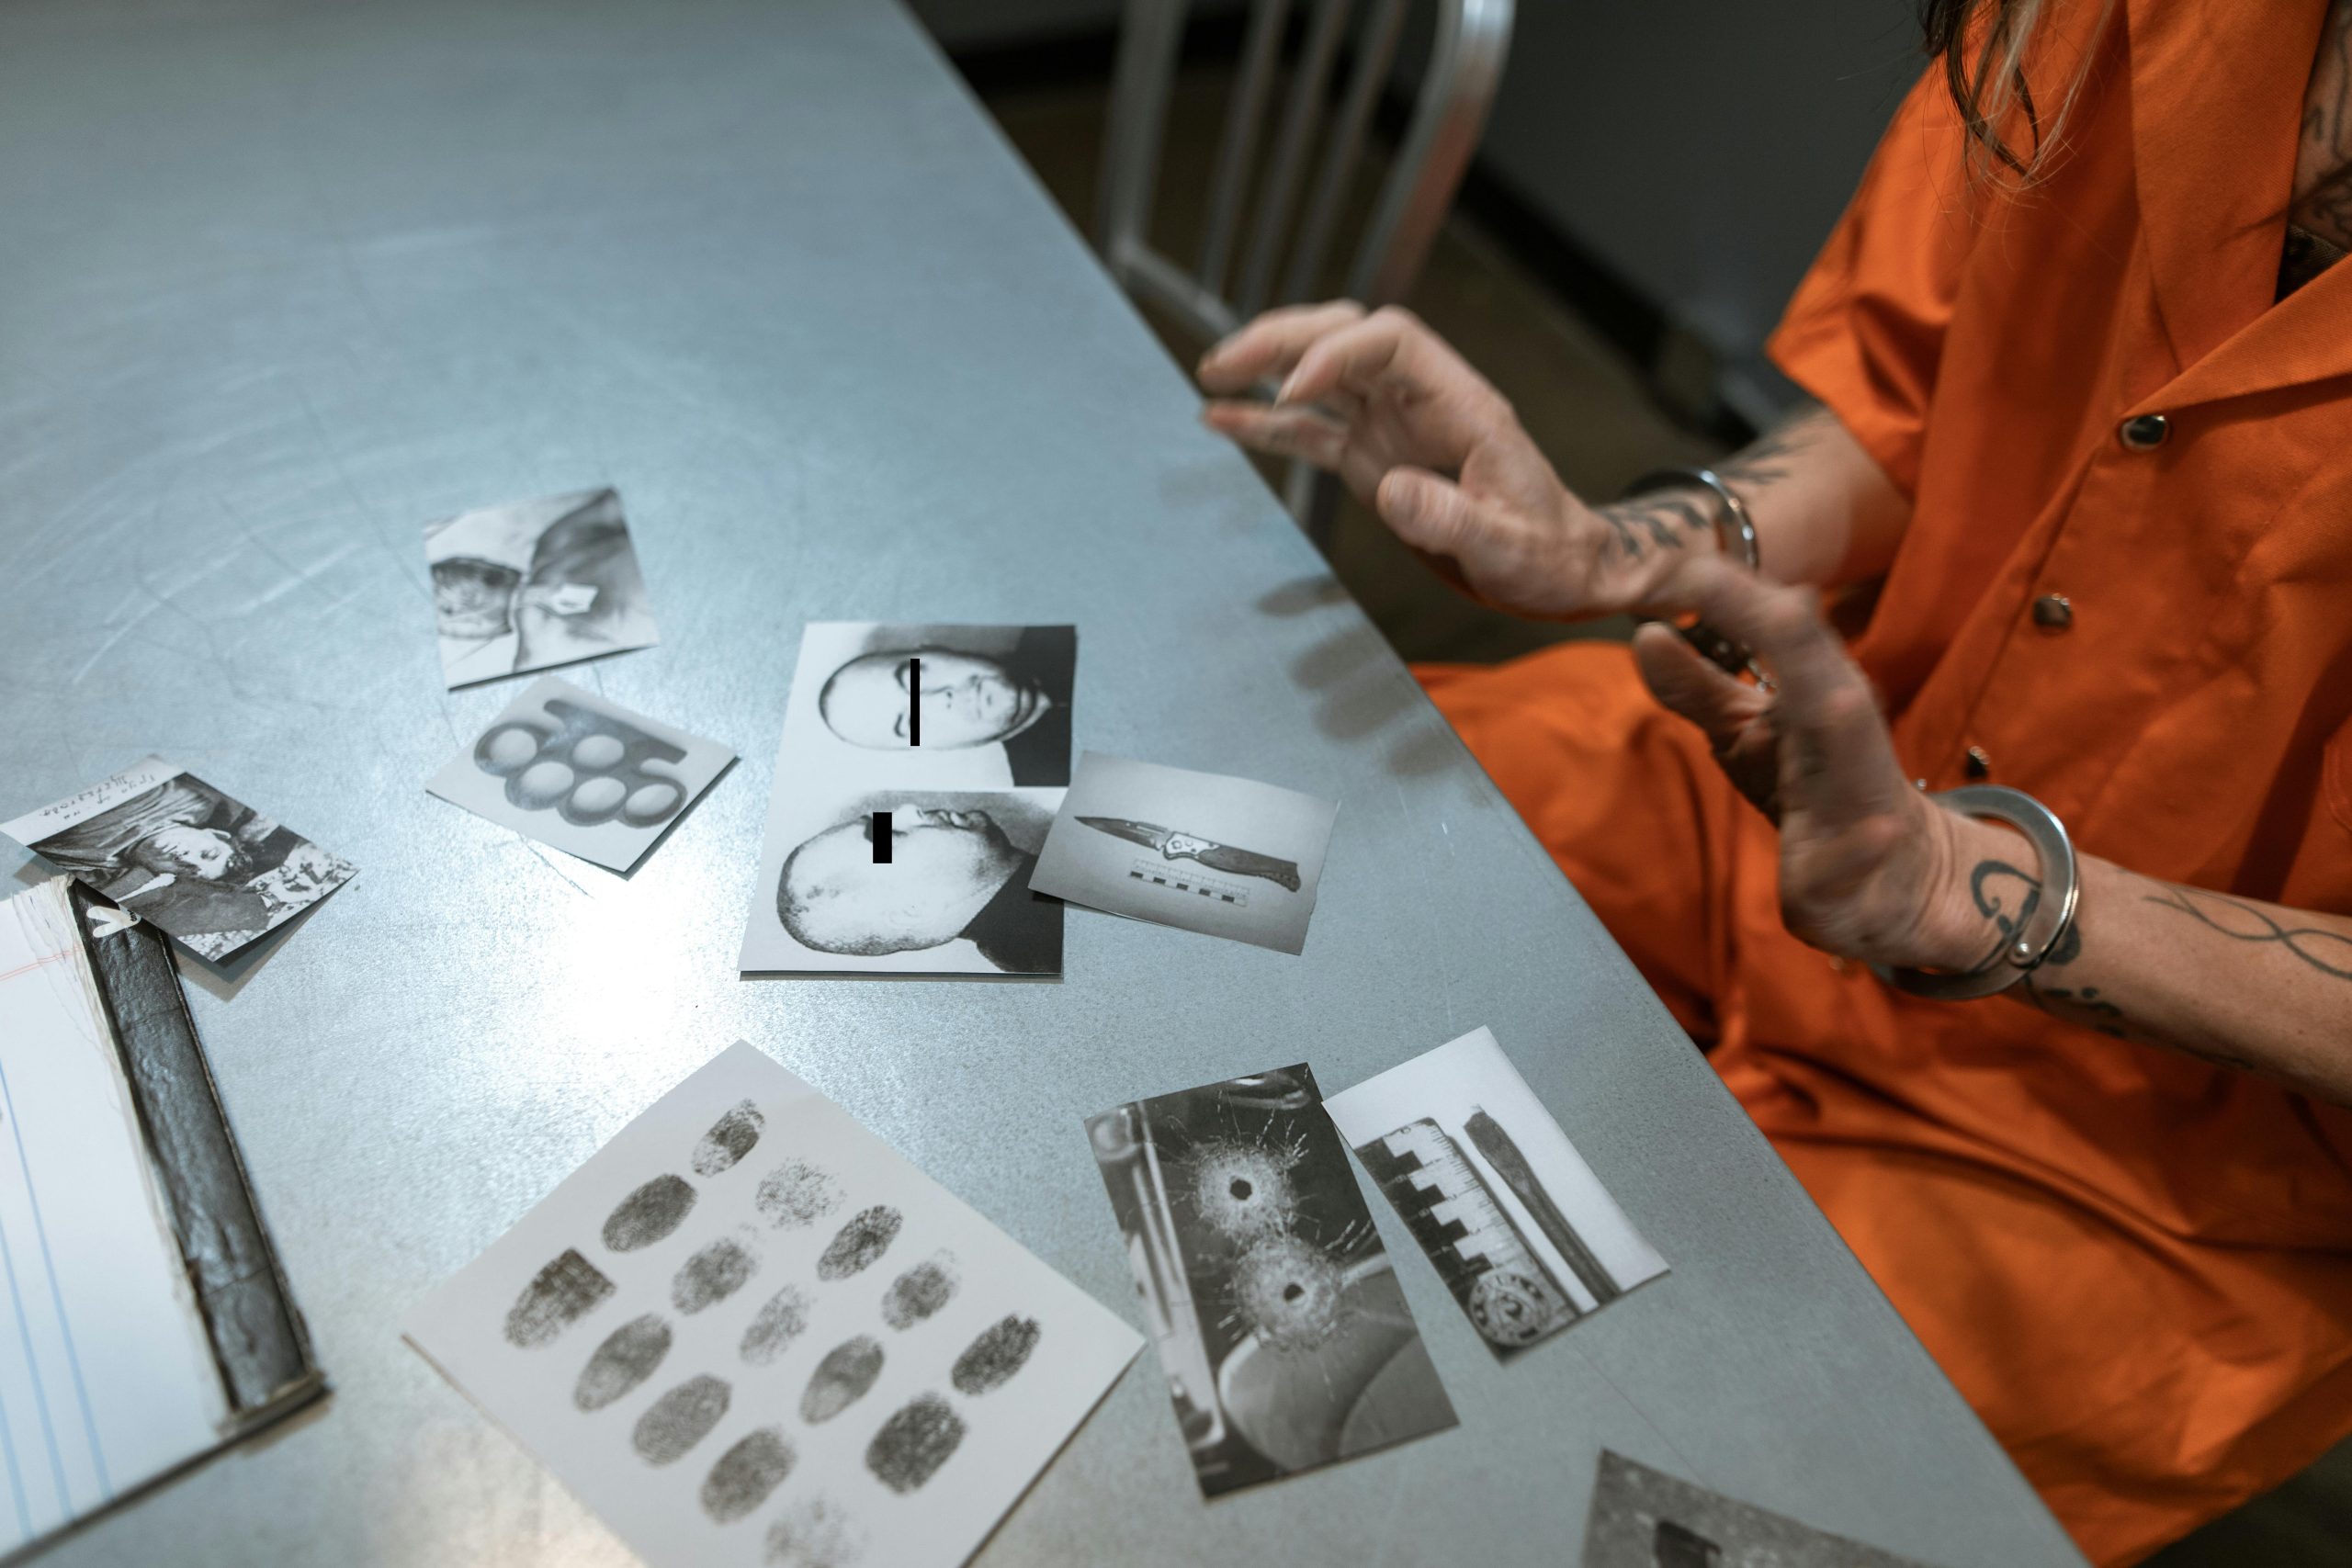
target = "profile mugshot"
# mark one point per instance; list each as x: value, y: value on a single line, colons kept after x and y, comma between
x: 949, y: 873
x: 967, y: 697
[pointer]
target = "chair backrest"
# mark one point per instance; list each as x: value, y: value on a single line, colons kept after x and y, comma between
x: 1281, y: 250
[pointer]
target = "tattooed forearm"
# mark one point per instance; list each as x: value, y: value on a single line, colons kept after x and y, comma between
x: 1654, y: 522
x: 2328, y: 952
x: 1766, y: 459
x: 1993, y: 884
x: 1669, y: 520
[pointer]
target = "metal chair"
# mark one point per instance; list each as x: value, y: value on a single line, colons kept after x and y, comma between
x: 1449, y: 113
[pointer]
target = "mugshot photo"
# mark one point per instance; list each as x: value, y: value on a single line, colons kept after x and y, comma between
x: 976, y: 706
x: 919, y: 881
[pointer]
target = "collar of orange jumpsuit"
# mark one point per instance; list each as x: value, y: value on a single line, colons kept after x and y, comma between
x: 2127, y: 589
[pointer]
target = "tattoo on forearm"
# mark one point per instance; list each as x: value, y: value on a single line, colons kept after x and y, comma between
x: 1987, y: 885
x: 1662, y: 522
x: 2244, y: 922
x: 1765, y: 459
x: 1667, y: 521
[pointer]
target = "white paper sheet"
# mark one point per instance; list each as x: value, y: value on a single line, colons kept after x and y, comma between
x: 970, y: 777
x: 590, y: 777
x: 1518, y: 1225
x: 745, y: 1166
x: 106, y: 1377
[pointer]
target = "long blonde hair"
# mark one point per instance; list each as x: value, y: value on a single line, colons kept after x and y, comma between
x: 1984, y: 46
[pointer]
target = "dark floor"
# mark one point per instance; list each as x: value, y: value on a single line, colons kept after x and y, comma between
x: 1587, y: 409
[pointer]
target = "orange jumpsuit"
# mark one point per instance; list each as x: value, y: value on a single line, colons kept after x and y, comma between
x: 2137, y: 1267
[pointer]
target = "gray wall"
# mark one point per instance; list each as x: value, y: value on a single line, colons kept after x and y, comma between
x: 1700, y: 148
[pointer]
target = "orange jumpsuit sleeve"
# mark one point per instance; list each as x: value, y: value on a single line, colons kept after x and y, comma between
x: 1865, y: 330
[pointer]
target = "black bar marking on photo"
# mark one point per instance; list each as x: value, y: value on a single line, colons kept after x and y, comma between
x: 1488, y: 1137
x: 880, y: 833
x: 914, y: 701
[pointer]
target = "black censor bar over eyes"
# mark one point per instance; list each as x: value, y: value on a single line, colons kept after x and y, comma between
x: 914, y: 705
x: 880, y: 833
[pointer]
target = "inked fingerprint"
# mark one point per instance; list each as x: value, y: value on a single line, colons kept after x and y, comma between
x: 990, y: 1360
x: 775, y: 1326
x: 745, y: 1474
x: 680, y: 1419
x: 561, y: 1293
x: 840, y: 1380
x: 797, y: 1193
x: 914, y: 1442
x: 867, y: 1235
x: 712, y: 1275
x: 920, y: 1291
x: 625, y: 1359
x: 815, y: 1533
x: 647, y: 1214
x: 730, y: 1139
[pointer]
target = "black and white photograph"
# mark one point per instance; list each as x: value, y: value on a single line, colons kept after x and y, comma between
x: 584, y: 775
x: 899, y: 840
x: 1282, y: 1331
x: 746, y: 1331
x: 1646, y: 1518
x: 535, y: 584
x: 1223, y: 856
x: 909, y: 880
x: 970, y: 707
x: 208, y: 870
x: 1523, y: 1233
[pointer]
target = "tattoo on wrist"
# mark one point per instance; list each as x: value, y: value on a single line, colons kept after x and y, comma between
x: 1991, y: 884
x: 2244, y: 922
x: 1662, y: 522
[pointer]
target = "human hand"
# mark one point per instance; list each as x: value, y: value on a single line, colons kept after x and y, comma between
x: 1870, y: 868
x: 1436, y: 452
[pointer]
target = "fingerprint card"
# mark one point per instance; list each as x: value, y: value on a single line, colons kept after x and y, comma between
x: 584, y: 775
x: 1281, y: 1325
x: 1514, y: 1221
x: 747, y: 1332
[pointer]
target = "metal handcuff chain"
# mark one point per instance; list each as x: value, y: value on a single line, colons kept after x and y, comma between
x: 1736, y: 531
x: 2048, y: 915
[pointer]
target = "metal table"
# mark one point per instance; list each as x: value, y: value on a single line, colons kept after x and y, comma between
x: 280, y: 280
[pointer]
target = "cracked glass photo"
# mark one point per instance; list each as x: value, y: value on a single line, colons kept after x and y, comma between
x: 1285, y: 1335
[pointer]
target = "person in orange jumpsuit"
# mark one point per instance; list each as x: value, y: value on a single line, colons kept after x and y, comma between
x: 2090, y: 432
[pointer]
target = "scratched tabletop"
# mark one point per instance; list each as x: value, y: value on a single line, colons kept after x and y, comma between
x: 280, y: 281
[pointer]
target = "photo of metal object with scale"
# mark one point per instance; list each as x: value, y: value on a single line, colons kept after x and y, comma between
x: 1515, y: 1221
x: 1285, y: 1337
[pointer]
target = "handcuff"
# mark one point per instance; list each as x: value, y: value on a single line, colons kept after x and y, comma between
x: 2050, y: 911
x: 2048, y: 916
x: 1736, y: 531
